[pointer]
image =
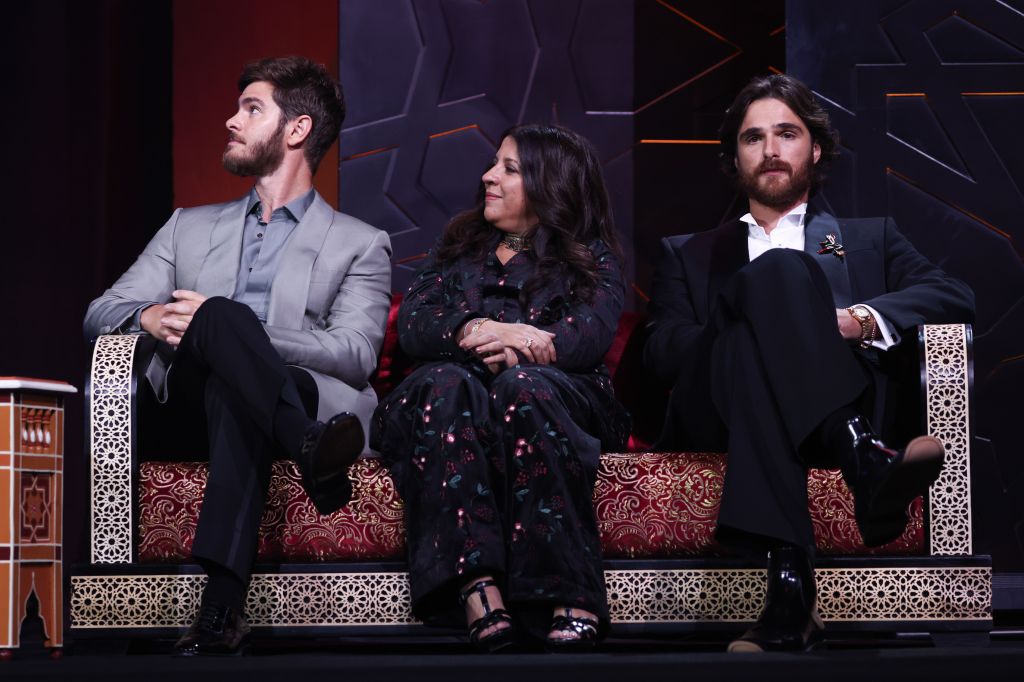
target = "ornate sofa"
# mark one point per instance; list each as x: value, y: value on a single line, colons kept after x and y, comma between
x: 345, y: 572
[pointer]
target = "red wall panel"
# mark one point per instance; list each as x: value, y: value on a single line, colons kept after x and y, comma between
x: 212, y: 41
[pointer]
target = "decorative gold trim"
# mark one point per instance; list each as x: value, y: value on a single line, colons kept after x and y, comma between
x: 947, y: 384
x: 635, y: 596
x: 110, y: 449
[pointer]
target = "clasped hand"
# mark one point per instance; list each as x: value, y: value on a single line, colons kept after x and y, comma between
x: 169, y: 321
x: 496, y: 344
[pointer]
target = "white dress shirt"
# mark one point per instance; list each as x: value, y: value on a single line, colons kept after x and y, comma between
x: 789, y: 234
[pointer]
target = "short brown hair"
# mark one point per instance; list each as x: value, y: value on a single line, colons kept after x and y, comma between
x: 302, y: 86
x: 797, y: 97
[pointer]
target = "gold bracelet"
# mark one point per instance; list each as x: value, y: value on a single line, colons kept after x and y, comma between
x: 474, y: 326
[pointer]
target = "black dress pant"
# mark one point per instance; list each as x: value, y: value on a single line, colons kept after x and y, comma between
x: 776, y: 367
x: 229, y: 373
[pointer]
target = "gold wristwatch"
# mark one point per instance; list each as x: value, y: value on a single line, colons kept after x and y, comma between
x: 868, y: 326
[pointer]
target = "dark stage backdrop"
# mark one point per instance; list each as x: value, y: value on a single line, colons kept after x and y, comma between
x: 88, y: 171
x: 433, y: 84
x: 929, y: 96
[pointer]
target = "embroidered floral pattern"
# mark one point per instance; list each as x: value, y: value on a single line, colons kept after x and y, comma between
x: 498, y: 471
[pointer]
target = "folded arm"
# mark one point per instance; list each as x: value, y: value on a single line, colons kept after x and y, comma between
x: 584, y: 333
x: 345, y: 342
x: 673, y: 328
x: 919, y: 292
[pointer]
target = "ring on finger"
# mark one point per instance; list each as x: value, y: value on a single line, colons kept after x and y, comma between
x: 529, y: 342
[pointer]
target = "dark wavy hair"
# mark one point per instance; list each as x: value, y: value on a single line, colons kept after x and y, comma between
x: 564, y: 186
x: 302, y: 86
x: 797, y: 97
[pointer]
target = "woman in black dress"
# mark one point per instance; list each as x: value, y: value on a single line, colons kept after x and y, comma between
x: 493, y: 441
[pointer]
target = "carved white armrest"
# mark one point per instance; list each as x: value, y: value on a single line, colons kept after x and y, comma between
x: 947, y: 373
x: 109, y: 405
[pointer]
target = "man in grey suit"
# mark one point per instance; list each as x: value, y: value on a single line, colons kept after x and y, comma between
x: 270, y: 311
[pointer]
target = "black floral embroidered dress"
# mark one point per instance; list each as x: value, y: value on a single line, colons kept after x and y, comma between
x: 497, y: 471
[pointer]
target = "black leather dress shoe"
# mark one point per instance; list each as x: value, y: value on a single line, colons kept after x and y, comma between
x: 789, y: 620
x: 327, y: 452
x: 884, y: 482
x: 216, y: 631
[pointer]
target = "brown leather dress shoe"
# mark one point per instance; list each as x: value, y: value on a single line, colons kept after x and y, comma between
x: 884, y: 481
x: 216, y: 631
x: 327, y: 452
x: 789, y: 620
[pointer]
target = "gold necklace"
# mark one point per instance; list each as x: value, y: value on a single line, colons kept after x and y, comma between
x: 515, y: 242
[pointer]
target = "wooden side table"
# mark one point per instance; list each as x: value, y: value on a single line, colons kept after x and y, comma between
x: 31, y: 506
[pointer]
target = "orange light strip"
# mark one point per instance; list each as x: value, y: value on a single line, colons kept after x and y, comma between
x: 457, y: 130
x: 963, y: 210
x: 990, y: 94
x: 774, y: 70
x: 640, y: 293
x: 679, y: 142
x: 696, y: 23
x: 409, y: 259
x: 687, y: 82
x: 370, y: 153
x: 777, y: 31
x: 905, y: 94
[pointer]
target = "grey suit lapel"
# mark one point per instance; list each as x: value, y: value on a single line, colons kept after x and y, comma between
x: 219, y: 272
x: 290, y: 289
x: 818, y: 226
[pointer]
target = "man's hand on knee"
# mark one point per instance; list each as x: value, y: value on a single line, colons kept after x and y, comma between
x: 849, y: 327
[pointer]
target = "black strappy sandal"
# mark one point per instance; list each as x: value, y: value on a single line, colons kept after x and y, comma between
x: 497, y: 640
x: 584, y: 629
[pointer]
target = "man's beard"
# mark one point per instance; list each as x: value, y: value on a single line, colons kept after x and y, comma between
x: 781, y: 192
x: 262, y: 159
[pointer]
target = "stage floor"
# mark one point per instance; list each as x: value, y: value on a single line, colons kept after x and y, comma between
x: 623, y: 661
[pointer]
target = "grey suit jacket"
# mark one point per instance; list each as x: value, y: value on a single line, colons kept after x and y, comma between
x: 329, y: 300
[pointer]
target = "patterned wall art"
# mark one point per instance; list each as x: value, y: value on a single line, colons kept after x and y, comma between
x: 433, y: 83
x: 926, y: 95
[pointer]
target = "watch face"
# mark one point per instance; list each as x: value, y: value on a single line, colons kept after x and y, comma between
x: 861, y: 313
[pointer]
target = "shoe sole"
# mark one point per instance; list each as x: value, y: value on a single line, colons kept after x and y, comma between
x: 921, y: 464
x: 816, y: 639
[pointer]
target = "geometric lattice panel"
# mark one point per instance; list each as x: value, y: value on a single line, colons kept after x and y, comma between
x: 844, y: 594
x: 110, y: 448
x: 947, y: 408
x: 635, y: 596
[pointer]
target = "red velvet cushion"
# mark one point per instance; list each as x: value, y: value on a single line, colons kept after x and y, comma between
x: 649, y: 505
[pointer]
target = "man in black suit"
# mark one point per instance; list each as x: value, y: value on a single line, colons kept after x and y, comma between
x: 773, y: 329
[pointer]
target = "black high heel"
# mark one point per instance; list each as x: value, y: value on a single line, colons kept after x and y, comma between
x: 497, y: 640
x: 584, y: 629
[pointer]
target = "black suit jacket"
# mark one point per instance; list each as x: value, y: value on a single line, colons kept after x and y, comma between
x: 880, y: 269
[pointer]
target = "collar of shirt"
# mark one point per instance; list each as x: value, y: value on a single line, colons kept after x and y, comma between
x: 297, y: 207
x: 788, y: 232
